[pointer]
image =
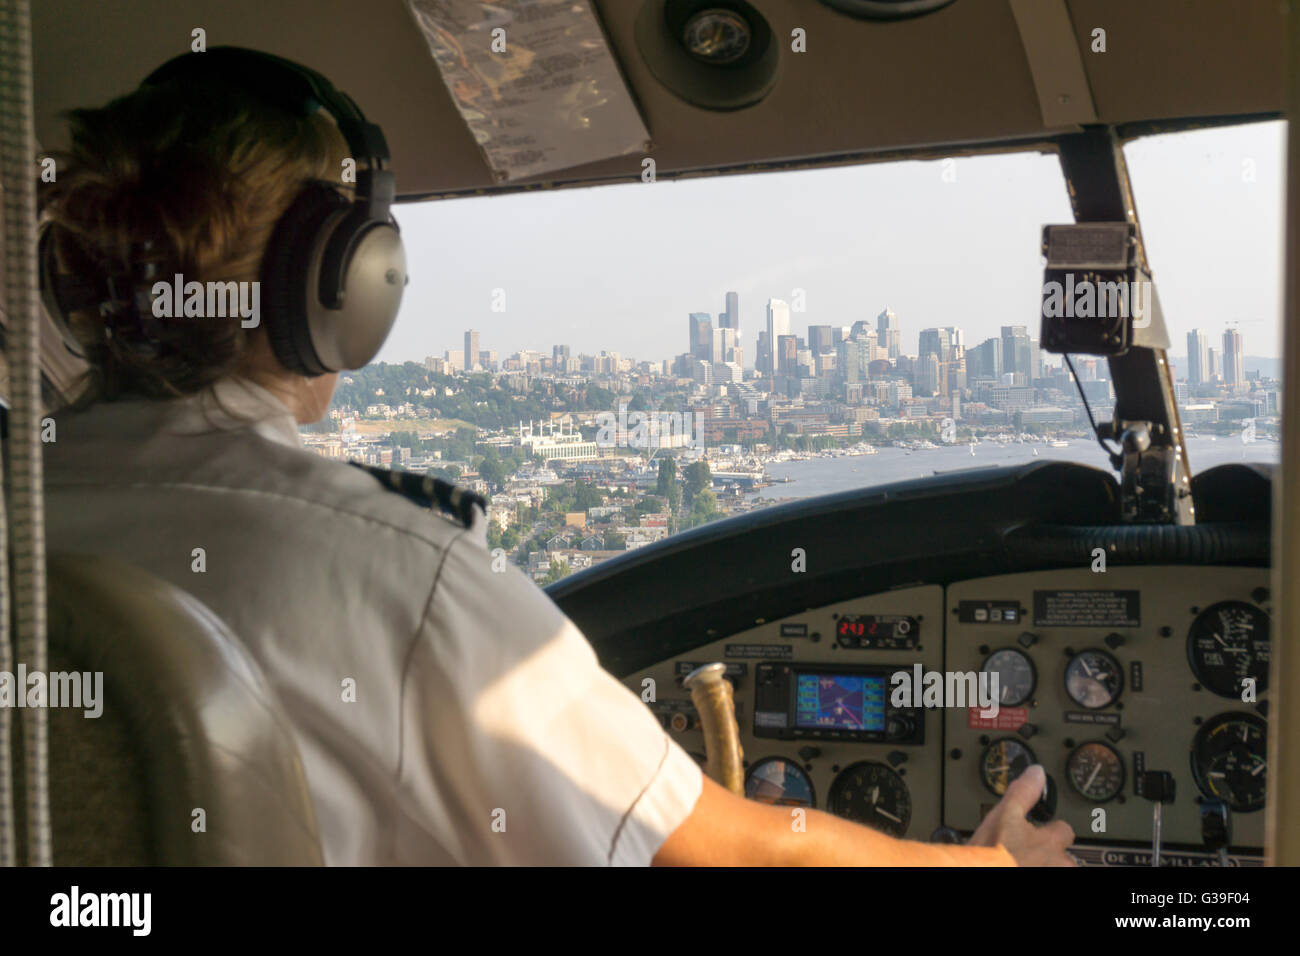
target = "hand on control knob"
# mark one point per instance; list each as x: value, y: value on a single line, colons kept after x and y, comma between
x: 1007, y: 825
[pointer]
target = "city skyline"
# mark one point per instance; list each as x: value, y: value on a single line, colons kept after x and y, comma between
x: 616, y: 267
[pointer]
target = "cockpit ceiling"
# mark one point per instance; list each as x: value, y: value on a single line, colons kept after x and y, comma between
x: 956, y: 77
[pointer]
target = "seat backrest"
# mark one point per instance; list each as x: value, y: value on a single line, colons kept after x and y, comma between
x: 192, y: 761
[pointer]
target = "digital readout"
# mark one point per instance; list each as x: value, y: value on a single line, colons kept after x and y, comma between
x: 840, y: 701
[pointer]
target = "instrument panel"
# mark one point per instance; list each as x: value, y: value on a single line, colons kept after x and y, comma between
x: 912, y: 710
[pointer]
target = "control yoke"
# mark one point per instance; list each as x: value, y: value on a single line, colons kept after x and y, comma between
x: 712, y: 695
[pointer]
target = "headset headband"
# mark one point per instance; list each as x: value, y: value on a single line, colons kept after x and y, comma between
x: 301, y: 91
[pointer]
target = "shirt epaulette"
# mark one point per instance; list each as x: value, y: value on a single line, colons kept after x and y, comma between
x: 430, y: 492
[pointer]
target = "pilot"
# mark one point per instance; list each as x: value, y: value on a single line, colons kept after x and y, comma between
x: 446, y: 711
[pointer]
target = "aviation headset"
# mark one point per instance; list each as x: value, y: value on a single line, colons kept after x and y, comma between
x: 334, y: 270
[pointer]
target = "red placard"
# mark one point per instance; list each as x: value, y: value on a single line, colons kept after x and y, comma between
x: 1008, y: 718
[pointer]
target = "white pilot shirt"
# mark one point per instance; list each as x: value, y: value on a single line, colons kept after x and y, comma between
x: 483, y: 729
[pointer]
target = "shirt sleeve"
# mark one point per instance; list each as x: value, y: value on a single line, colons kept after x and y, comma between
x: 517, y: 747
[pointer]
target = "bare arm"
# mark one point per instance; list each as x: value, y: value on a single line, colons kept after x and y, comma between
x: 726, y: 830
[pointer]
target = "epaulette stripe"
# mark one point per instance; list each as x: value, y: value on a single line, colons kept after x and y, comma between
x: 430, y: 492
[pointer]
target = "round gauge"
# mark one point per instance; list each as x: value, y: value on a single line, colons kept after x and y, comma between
x: 1096, y: 771
x: 1227, y: 643
x: 1229, y: 760
x: 780, y: 781
x: 717, y: 36
x: 1003, y: 761
x: 1016, y: 675
x: 872, y: 794
x: 1093, y: 679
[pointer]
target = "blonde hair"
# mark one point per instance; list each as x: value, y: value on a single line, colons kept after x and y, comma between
x: 197, y: 173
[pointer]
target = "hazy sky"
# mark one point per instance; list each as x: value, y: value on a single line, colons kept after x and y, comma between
x: 956, y: 243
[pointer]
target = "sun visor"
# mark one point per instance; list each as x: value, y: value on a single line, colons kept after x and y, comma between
x: 537, y: 85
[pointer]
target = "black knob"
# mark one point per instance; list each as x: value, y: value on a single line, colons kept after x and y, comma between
x: 1027, y: 730
x: 807, y: 753
x: 899, y: 727
x: 1027, y: 639
x: 1045, y: 808
x: 1114, y: 640
x: 896, y: 757
x: 945, y: 835
x: 1158, y: 786
x: 1216, y: 824
x: 1115, y: 734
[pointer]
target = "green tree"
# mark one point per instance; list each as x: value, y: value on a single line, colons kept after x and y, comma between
x: 697, y: 478
x: 586, y: 496
x: 667, y: 487
x: 557, y: 571
x: 491, y: 471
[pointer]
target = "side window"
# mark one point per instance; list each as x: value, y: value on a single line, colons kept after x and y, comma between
x: 1211, y: 206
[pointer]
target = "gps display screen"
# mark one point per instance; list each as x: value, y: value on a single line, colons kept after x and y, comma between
x: 840, y: 701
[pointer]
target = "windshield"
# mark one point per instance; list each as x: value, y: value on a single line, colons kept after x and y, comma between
x: 614, y: 365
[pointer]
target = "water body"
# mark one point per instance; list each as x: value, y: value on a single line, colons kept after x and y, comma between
x: 820, y: 476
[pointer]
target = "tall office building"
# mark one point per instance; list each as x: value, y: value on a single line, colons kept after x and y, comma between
x: 787, y: 355
x: 730, y: 319
x: 778, y: 324
x: 1213, y: 364
x: 985, y: 360
x: 1198, y: 344
x: 936, y: 342
x: 724, y: 346
x: 1234, y: 374
x: 820, y: 340
x: 700, y: 325
x: 853, y: 357
x: 1016, y: 354
x: 889, y: 333
x: 471, y: 350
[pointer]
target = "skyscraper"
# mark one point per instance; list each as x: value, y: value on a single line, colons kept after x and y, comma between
x: 471, y: 350
x: 1198, y: 358
x: 819, y: 339
x: 889, y: 332
x: 937, y: 342
x: 985, y: 360
x: 730, y: 319
x: 1234, y: 375
x: 1016, y: 354
x: 778, y: 324
x: 700, y: 325
x: 787, y: 354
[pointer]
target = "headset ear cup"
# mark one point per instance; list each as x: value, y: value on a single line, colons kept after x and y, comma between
x: 365, y: 261
x: 288, y: 291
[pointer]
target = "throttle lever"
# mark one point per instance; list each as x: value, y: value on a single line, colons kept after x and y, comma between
x: 1158, y: 787
x: 1216, y: 828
